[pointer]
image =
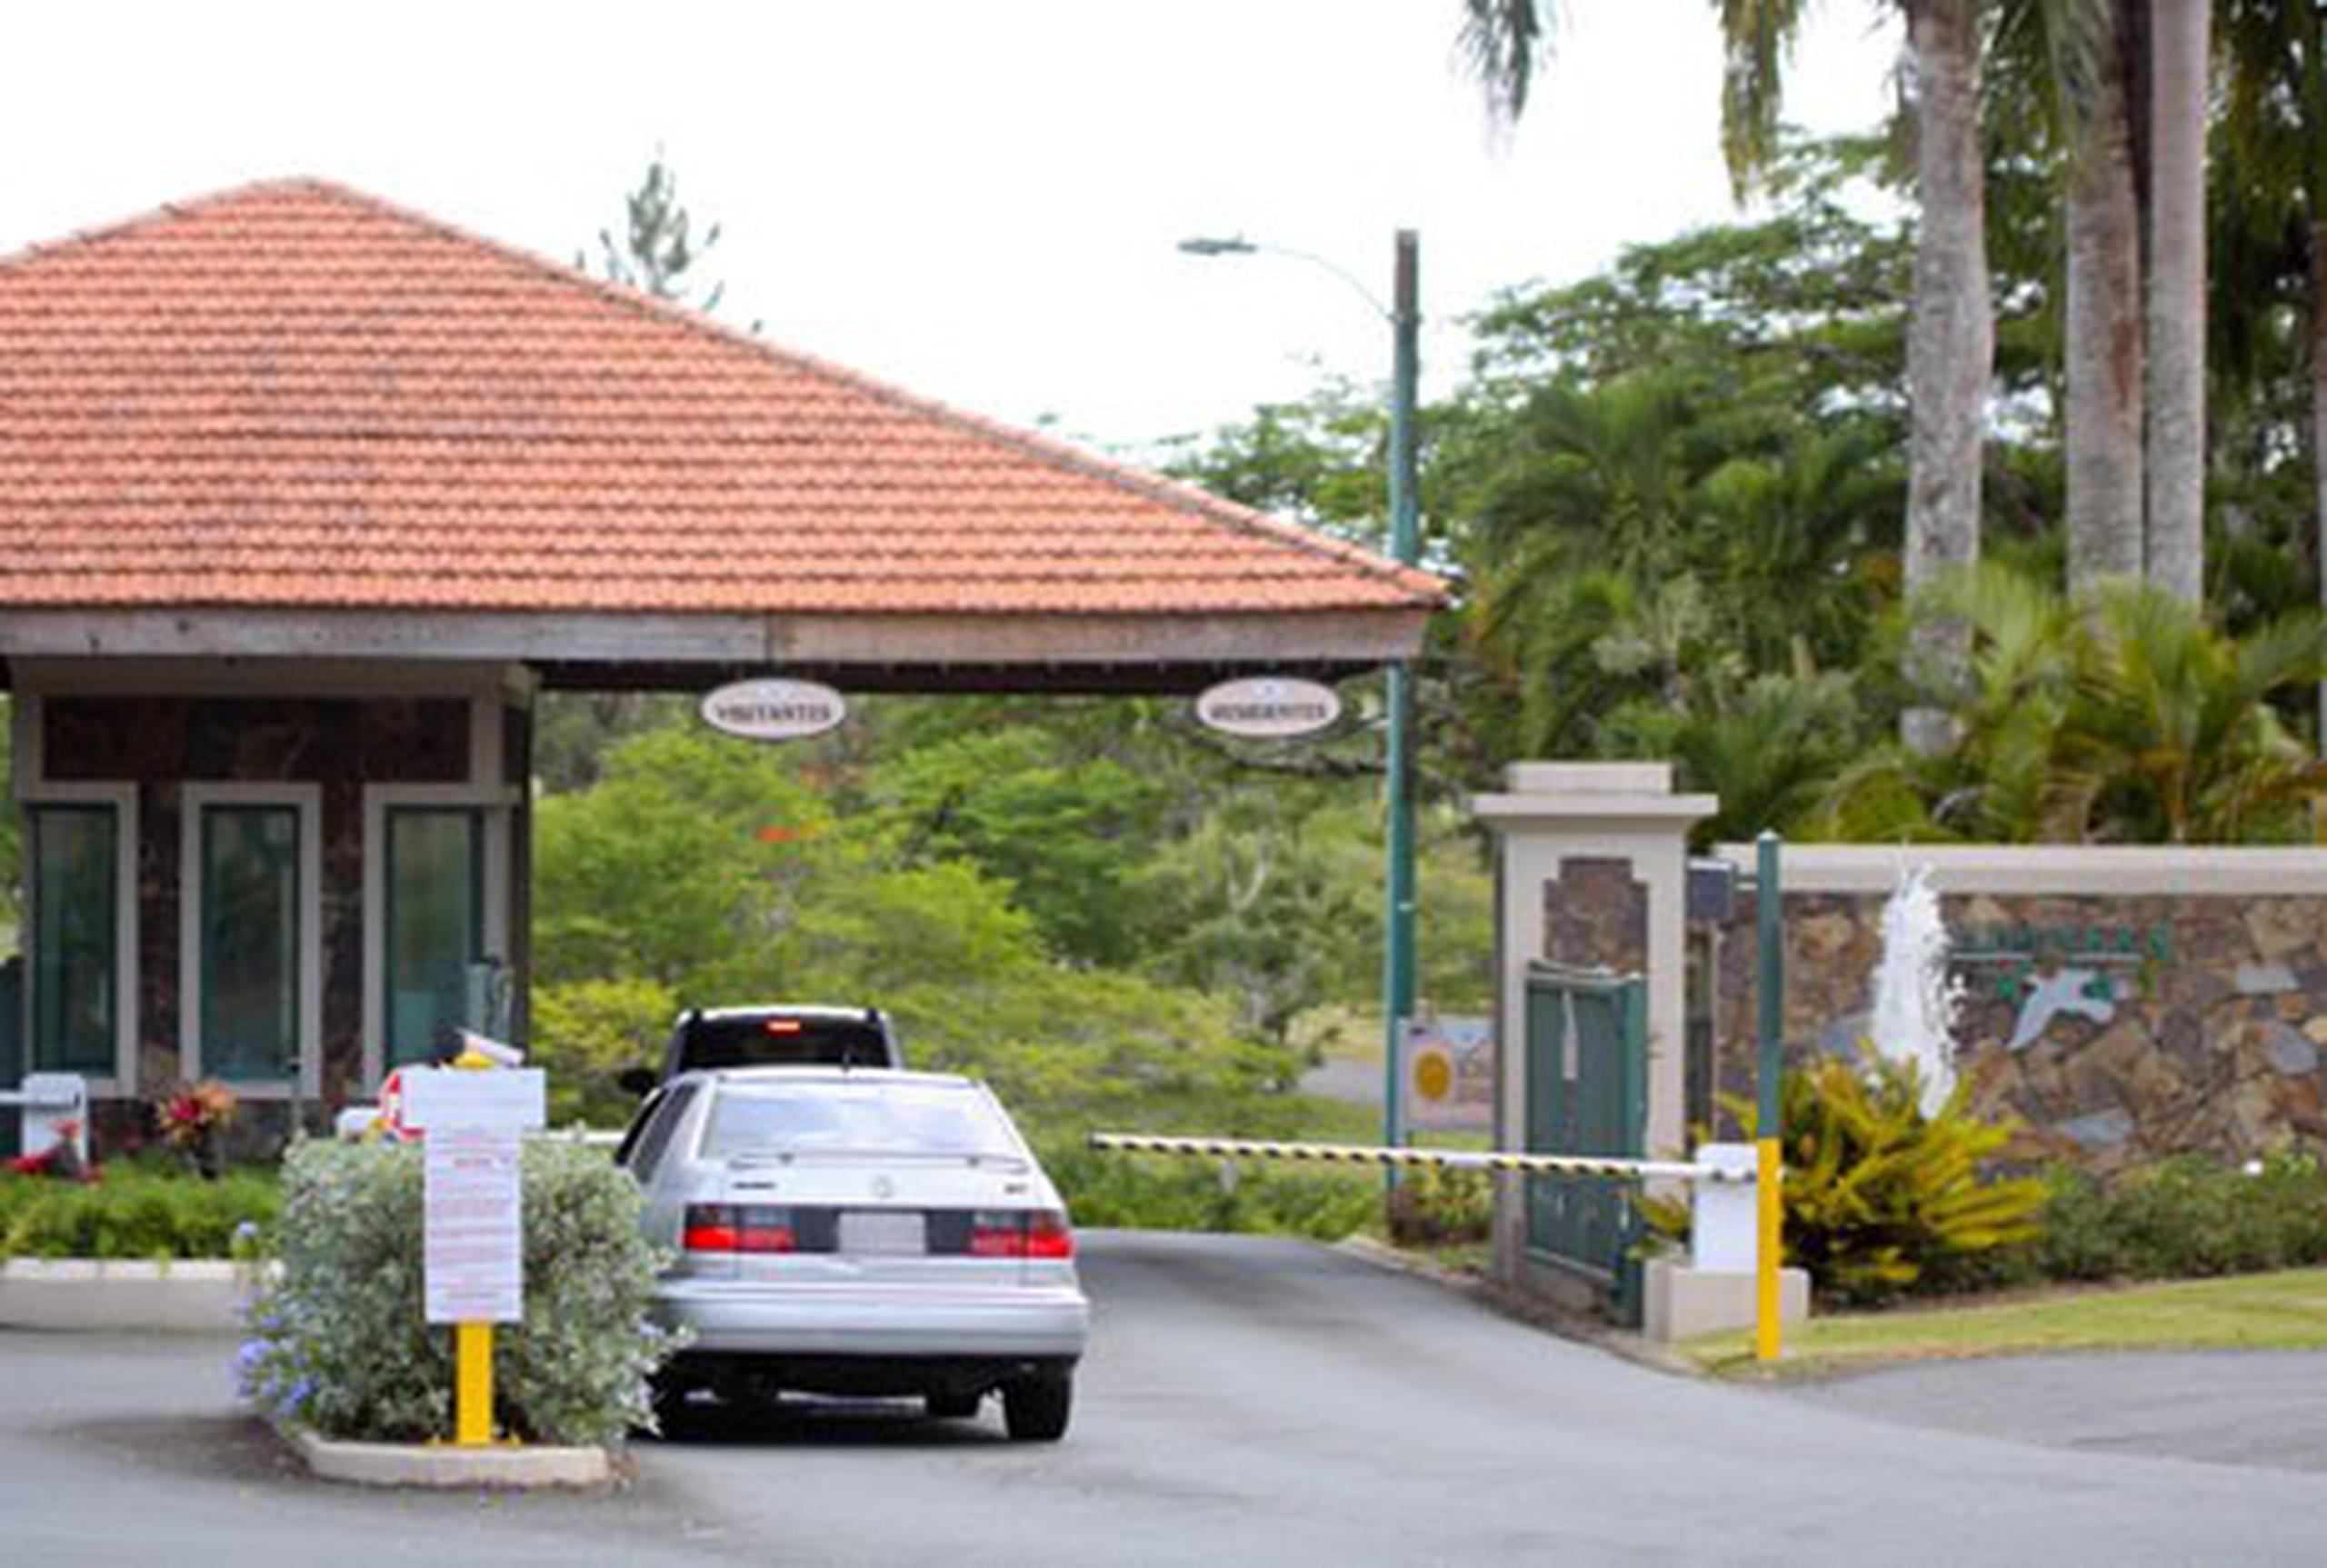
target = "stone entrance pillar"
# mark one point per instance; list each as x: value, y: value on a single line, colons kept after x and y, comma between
x: 1590, y: 869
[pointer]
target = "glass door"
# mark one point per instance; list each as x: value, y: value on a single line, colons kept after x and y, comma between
x: 76, y: 922
x: 251, y: 906
x: 434, y: 925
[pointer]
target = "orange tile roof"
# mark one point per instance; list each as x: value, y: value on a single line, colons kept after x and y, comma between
x: 295, y: 395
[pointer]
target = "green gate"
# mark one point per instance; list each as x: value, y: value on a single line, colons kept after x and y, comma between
x: 1587, y: 1094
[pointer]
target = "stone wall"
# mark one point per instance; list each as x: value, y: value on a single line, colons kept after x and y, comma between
x: 2115, y: 1026
x: 1595, y: 915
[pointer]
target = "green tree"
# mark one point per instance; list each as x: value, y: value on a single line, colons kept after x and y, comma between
x: 700, y: 870
x: 670, y: 867
x: 1272, y: 902
x: 1672, y: 480
x: 589, y: 1031
x: 1950, y: 349
x: 1064, y: 829
x: 2270, y: 296
x: 2117, y: 715
x: 658, y: 247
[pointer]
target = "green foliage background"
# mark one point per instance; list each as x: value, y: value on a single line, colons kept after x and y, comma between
x: 135, y: 1213
x: 1086, y: 903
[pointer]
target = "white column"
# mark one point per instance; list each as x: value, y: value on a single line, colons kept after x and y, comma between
x: 1552, y: 812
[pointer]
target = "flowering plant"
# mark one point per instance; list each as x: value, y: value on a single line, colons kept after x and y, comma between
x: 190, y: 1118
x: 337, y: 1339
x: 61, y: 1159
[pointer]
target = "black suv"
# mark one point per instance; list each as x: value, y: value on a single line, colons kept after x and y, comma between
x: 778, y: 1036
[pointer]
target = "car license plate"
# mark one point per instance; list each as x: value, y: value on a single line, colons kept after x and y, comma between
x: 885, y: 1232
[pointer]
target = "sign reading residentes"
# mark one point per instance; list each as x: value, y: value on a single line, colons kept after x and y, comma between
x: 1269, y: 707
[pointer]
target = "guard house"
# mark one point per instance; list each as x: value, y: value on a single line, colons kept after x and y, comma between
x: 307, y: 497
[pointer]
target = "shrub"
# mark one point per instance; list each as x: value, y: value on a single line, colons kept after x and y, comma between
x: 586, y: 1032
x: 1433, y: 1206
x: 338, y: 1339
x: 2184, y: 1217
x: 129, y: 1212
x: 1879, y: 1197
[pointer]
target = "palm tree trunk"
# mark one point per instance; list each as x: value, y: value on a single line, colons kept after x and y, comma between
x: 2315, y: 192
x: 2104, y: 340
x: 2174, y: 460
x: 2319, y: 403
x: 1951, y: 342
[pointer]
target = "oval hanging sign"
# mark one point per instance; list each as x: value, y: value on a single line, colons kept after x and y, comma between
x: 1268, y: 707
x: 773, y: 709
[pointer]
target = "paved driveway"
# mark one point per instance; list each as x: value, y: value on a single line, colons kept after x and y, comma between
x: 2259, y: 1408
x: 1247, y: 1402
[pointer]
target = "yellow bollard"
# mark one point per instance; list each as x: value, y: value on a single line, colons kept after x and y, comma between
x: 473, y: 1384
x: 1769, y: 1254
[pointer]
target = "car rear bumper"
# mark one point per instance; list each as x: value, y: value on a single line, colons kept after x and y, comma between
x: 756, y: 1318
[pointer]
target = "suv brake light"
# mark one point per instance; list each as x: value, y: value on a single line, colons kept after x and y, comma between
x: 738, y: 1228
x: 1020, y: 1233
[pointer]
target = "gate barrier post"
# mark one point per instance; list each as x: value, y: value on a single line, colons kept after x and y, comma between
x: 1769, y: 927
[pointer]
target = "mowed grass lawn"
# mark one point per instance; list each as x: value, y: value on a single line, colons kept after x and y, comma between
x: 2249, y: 1312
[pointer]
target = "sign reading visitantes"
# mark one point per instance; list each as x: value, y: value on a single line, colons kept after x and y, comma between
x: 1268, y: 707
x: 772, y: 708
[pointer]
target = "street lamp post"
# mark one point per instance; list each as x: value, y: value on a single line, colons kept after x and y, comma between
x: 1404, y: 316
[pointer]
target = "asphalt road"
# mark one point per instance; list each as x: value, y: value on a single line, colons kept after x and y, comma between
x: 1246, y: 1401
x: 2260, y: 1408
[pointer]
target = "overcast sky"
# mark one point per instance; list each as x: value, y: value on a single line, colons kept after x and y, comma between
x: 978, y: 201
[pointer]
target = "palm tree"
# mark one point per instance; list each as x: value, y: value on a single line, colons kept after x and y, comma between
x: 2172, y: 737
x: 2175, y: 322
x: 2274, y: 130
x: 2131, y: 79
x: 2120, y: 714
x: 1951, y: 347
x: 1951, y: 343
x: 2093, y: 59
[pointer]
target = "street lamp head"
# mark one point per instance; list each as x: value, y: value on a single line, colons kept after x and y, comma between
x: 1209, y: 245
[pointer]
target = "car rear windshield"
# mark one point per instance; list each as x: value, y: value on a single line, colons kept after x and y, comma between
x: 776, y: 1041
x: 856, y: 1118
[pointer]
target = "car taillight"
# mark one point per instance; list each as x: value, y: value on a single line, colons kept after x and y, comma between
x: 1020, y: 1233
x: 738, y: 1228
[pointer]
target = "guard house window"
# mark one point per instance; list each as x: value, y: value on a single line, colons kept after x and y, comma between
x: 250, y: 941
x: 435, y: 920
x: 75, y: 938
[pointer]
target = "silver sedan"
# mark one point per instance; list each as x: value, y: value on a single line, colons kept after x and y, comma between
x: 872, y: 1233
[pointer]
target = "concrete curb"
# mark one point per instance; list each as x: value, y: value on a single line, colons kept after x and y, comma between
x: 434, y: 1464
x: 193, y: 1295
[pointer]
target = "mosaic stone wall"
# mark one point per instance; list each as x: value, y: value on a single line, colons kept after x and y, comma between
x: 2114, y: 1029
x: 1595, y: 914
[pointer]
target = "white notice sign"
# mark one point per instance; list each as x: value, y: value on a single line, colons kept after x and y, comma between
x: 506, y: 1100
x: 473, y: 1232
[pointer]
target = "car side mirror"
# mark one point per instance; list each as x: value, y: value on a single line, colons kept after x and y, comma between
x: 639, y: 1081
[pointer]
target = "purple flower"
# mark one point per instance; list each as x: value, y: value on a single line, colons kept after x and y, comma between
x: 250, y: 1360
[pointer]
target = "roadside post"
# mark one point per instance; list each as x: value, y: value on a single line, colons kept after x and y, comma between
x: 473, y: 1243
x: 1769, y: 997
